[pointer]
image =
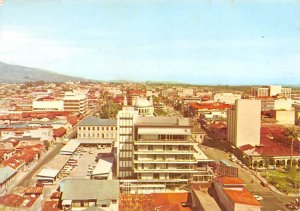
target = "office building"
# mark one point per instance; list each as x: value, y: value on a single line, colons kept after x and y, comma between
x: 75, y: 103
x: 243, y: 122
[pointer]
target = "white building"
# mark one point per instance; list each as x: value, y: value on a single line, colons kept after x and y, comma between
x: 228, y: 98
x: 243, y: 123
x: 97, y: 128
x: 126, y: 119
x: 158, y: 152
x: 75, y: 103
x: 144, y: 107
x: 47, y: 105
x: 275, y: 90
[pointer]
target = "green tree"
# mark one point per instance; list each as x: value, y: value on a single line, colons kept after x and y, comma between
x: 46, y: 144
x: 266, y: 161
x: 292, y: 135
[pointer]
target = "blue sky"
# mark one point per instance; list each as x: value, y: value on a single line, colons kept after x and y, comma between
x: 199, y: 42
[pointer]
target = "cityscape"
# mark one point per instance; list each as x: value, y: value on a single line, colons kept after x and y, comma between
x: 111, y: 106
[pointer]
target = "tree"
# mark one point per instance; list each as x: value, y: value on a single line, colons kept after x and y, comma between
x: 266, y: 161
x: 292, y: 135
x: 47, y: 144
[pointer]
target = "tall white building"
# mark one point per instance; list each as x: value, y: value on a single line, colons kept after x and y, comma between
x: 156, y: 153
x: 243, y: 123
x: 125, y: 122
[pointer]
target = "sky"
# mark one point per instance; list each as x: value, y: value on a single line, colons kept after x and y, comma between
x: 191, y: 41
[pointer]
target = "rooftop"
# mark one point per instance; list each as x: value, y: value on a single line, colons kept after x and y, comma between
x: 95, y: 121
x: 154, y: 201
x: 230, y: 181
x: 5, y: 173
x: 90, y: 189
x: 241, y: 197
x: 162, y: 121
x: 216, y: 105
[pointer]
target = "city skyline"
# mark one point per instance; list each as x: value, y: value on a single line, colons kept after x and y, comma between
x: 186, y: 41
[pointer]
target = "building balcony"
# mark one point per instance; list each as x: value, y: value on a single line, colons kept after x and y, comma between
x: 169, y: 170
x: 179, y: 161
x: 160, y: 152
x: 189, y: 142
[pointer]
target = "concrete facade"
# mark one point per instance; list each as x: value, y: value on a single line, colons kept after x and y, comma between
x: 244, y: 123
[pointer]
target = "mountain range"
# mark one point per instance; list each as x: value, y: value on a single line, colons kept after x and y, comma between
x: 10, y: 73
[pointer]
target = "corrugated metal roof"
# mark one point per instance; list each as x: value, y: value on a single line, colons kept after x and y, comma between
x: 90, y: 189
x: 5, y: 173
x: 95, y: 121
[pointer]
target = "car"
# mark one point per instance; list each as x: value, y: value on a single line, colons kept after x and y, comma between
x: 258, y: 198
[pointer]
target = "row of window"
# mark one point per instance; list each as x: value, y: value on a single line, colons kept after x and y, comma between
x: 97, y: 128
x: 97, y: 135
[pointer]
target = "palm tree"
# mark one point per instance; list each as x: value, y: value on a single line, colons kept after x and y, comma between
x: 292, y: 135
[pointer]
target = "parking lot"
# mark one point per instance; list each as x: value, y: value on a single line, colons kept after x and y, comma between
x: 83, y: 162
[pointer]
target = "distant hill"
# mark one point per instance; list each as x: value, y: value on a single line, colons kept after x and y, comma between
x: 15, y: 73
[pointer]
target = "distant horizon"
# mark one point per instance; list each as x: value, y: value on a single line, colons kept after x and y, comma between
x: 191, y: 42
x: 151, y: 81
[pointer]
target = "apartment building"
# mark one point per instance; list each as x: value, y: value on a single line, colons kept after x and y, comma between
x: 261, y: 92
x: 272, y: 91
x: 243, y: 123
x: 158, y: 152
x: 97, y: 128
x: 75, y: 103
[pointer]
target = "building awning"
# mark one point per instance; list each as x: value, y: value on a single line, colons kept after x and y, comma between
x: 163, y: 131
x: 48, y: 173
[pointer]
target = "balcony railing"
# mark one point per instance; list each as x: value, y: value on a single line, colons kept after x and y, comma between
x: 190, y: 152
x: 168, y: 170
x: 165, y: 161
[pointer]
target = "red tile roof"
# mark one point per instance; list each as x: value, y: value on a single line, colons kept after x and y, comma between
x: 241, y: 197
x: 230, y: 180
x: 11, y: 200
x: 33, y: 190
x: 217, y: 105
x: 154, y: 201
x: 50, y: 206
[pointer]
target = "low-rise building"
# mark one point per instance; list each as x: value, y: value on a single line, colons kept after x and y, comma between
x: 234, y: 196
x: 227, y: 98
x: 102, y: 194
x: 97, y: 128
x: 283, y: 117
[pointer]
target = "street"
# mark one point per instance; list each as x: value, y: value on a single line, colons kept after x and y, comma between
x: 271, y: 200
x: 39, y: 165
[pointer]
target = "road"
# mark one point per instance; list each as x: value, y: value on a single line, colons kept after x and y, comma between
x: 271, y: 200
x: 34, y: 171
